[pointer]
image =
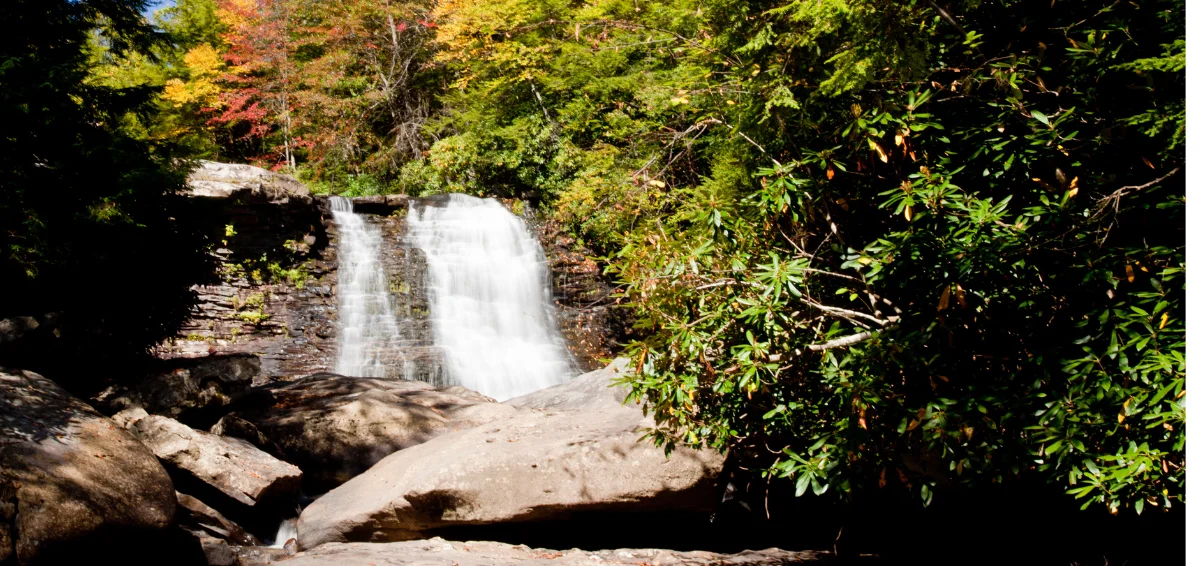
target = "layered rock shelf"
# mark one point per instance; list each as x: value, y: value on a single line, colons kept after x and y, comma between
x: 439, y: 552
x: 276, y: 297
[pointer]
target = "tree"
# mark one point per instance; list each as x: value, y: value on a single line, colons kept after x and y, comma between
x: 869, y: 244
x: 87, y: 203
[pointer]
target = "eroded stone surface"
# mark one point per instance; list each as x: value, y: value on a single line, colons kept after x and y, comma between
x: 439, y: 552
x: 336, y: 427
x: 71, y: 481
x: 235, y: 180
x: 178, y: 388
x: 571, y: 448
x: 231, y: 465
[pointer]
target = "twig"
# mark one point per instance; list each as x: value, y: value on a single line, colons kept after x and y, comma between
x: 844, y: 313
x: 948, y: 17
x: 1115, y: 197
x: 843, y: 341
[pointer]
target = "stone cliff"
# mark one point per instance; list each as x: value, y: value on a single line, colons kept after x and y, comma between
x: 276, y: 297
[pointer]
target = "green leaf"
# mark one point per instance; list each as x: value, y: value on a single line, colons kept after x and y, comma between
x: 802, y: 483
x: 1054, y: 447
x: 1039, y: 117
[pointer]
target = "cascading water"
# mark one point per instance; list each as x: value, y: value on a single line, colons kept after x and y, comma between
x: 489, y: 297
x: 368, y: 323
x: 286, y: 532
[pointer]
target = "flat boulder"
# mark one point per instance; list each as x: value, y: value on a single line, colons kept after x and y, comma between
x: 232, y: 466
x: 73, y: 484
x: 569, y: 449
x: 336, y: 427
x: 245, y: 182
x: 439, y: 552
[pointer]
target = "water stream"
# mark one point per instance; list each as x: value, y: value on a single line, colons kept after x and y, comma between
x: 490, y: 303
x: 368, y: 323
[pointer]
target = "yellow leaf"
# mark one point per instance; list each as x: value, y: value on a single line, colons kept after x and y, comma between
x: 878, y: 149
x: 864, y: 260
x: 1129, y: 273
x: 908, y: 213
x: 829, y: 173
x: 944, y: 302
x: 1164, y: 321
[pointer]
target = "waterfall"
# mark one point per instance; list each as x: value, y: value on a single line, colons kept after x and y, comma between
x: 489, y: 297
x: 285, y: 533
x: 368, y: 323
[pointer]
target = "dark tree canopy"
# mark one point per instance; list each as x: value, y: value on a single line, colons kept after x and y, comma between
x: 86, y: 205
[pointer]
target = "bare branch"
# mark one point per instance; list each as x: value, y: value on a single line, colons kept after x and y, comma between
x: 1114, y: 198
x: 845, y: 313
x: 949, y: 18
x: 840, y: 342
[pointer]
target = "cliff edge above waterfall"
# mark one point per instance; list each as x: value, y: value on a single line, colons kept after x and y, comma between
x: 225, y: 180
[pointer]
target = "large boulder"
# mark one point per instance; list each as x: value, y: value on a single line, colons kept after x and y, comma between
x: 72, y: 482
x: 572, y: 448
x: 246, y: 182
x: 188, y: 389
x: 337, y: 427
x: 232, y: 466
x: 438, y: 552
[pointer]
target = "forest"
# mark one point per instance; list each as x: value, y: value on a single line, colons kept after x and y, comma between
x: 914, y: 247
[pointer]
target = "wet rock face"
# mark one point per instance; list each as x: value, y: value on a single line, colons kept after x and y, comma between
x: 276, y: 296
x: 72, y: 483
x: 592, y: 328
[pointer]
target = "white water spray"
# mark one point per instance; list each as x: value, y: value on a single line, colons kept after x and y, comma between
x: 489, y: 297
x: 286, y: 532
x: 368, y: 323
